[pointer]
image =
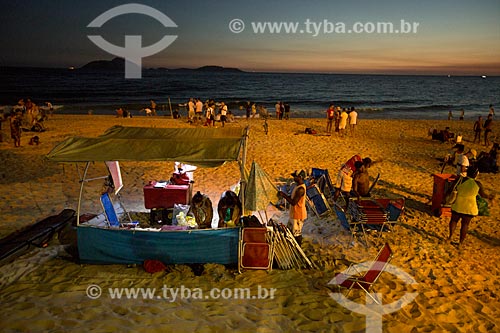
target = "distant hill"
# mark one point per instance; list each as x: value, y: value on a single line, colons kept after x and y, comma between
x: 118, y: 64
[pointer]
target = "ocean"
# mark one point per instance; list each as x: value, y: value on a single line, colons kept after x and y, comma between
x: 374, y: 96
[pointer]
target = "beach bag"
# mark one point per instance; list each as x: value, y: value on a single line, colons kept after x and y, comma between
x: 451, y: 196
x: 482, y: 206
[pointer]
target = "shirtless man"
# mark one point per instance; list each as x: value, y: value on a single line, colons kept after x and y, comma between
x: 361, y: 178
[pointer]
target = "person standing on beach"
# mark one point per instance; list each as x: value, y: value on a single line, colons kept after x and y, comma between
x: 286, y: 106
x: 198, y: 110
x: 190, y: 111
x: 248, y: 109
x: 465, y: 206
x: 492, y: 111
x: 297, y: 201
x: 15, y: 128
x: 462, y: 113
x: 353, y: 120
x: 223, y: 113
x: 478, y: 127
x: 330, y: 116
x: 153, y: 107
x: 343, y: 122
x: 277, y: 108
x: 337, y: 118
x: 487, y: 129
x: 282, y: 110
x: 450, y: 115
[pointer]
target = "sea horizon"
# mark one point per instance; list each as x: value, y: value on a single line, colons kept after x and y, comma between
x: 309, y: 94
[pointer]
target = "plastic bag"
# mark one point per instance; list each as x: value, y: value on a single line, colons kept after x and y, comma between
x: 482, y: 206
x: 178, y: 208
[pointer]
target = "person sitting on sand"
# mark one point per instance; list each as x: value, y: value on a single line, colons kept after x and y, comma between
x: 465, y: 206
x: 343, y: 183
x: 361, y: 178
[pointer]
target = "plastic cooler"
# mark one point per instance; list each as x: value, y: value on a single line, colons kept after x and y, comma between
x: 442, y: 183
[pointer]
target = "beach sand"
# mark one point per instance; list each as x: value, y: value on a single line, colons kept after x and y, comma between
x: 458, y: 290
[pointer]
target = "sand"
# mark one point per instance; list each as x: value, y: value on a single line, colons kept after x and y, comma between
x: 457, y: 290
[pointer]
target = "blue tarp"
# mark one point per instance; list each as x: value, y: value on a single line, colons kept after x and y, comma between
x: 124, y: 246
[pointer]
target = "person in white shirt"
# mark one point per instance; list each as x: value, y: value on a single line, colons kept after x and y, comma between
x: 199, y: 109
x: 353, y: 119
x: 190, y: 110
x: 223, y: 113
x: 343, y: 122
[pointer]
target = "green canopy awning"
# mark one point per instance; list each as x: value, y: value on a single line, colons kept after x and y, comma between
x: 207, y: 147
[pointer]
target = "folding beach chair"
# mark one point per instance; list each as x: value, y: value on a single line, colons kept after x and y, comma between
x: 111, y: 213
x: 371, y: 213
x: 353, y: 278
x: 395, y: 211
x: 354, y: 227
x: 254, y: 250
x: 324, y: 182
x: 317, y: 201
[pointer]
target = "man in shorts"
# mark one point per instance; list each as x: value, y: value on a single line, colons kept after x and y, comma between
x: 297, y: 201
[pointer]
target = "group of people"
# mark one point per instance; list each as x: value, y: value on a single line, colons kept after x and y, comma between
x: 282, y: 110
x: 352, y: 179
x: 213, y: 112
x: 338, y: 118
x: 487, y: 127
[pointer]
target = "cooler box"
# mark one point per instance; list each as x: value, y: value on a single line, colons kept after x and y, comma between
x: 166, y: 197
x: 442, y: 183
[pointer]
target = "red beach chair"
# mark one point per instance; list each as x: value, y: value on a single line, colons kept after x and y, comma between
x: 255, y: 252
x: 353, y: 279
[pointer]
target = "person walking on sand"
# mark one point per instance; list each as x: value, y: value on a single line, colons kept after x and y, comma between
x: 353, y: 120
x: 330, y: 116
x: 487, y: 129
x: 297, y: 201
x: 478, y: 127
x: 465, y: 206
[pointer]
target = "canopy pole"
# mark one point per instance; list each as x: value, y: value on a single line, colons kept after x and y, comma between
x: 242, y: 168
x: 82, y: 181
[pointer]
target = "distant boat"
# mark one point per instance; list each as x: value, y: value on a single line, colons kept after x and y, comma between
x: 449, y: 75
x: 483, y: 76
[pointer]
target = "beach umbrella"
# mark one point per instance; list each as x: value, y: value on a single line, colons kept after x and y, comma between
x: 260, y: 191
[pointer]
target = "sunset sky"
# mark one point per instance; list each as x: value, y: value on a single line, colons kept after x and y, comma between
x: 453, y: 37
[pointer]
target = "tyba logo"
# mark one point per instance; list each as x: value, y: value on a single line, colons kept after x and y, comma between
x: 132, y: 52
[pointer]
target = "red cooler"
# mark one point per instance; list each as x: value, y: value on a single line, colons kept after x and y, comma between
x: 442, y: 183
x: 166, y: 197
